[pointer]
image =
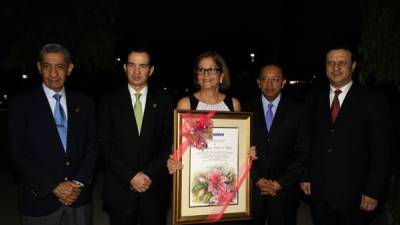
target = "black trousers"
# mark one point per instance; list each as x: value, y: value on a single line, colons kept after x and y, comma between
x: 323, y: 214
x: 145, y: 214
x: 278, y: 210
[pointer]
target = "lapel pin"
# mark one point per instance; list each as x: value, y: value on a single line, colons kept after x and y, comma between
x: 154, y: 105
x: 77, y: 109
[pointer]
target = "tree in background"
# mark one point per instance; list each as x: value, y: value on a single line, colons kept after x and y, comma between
x: 380, y: 42
x: 380, y: 65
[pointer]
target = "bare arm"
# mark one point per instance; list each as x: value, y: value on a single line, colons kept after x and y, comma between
x: 236, y: 105
x: 183, y: 103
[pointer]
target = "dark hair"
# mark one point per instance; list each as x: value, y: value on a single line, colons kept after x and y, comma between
x: 217, y: 58
x: 55, y: 48
x: 270, y: 63
x: 138, y: 49
x: 343, y: 46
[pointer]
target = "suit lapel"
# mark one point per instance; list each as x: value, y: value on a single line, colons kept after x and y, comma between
x: 73, y: 112
x: 46, y: 119
x: 150, y: 112
x: 127, y: 114
x: 279, y: 113
x: 326, y: 105
x: 260, y: 115
x: 347, y: 103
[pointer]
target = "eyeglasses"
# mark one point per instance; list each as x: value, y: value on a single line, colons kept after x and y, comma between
x: 272, y: 79
x: 211, y: 70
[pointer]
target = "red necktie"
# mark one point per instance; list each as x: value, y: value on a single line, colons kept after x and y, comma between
x: 335, y: 106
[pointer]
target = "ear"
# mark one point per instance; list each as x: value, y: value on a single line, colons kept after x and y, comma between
x: 259, y: 82
x: 283, y: 83
x: 353, y: 66
x: 70, y: 68
x: 221, y: 78
x: 125, y: 67
x: 151, y: 70
x: 39, y: 67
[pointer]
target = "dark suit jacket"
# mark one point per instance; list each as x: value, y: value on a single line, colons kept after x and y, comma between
x: 39, y: 153
x: 282, y: 151
x: 126, y: 153
x: 350, y: 157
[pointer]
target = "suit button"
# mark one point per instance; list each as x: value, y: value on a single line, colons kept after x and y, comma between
x: 268, y: 139
x: 67, y: 163
x: 332, y: 130
x: 330, y: 150
x: 66, y: 178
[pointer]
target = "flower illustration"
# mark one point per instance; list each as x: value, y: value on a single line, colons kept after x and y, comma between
x: 198, y: 128
x: 214, y: 186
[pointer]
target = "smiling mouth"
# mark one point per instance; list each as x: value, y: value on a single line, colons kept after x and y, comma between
x: 136, y: 78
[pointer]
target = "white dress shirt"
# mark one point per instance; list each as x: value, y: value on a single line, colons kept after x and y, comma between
x: 52, y: 101
x: 342, y: 95
x: 142, y: 97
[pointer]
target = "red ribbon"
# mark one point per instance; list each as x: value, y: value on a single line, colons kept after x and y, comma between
x: 217, y: 214
x: 187, y: 130
x: 191, y: 128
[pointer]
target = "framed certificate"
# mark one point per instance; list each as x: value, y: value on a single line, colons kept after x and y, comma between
x: 212, y: 167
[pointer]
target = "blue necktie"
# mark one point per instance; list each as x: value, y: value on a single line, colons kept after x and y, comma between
x: 61, y: 121
x: 269, y: 116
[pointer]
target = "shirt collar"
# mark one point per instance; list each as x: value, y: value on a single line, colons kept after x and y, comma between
x: 275, y: 102
x: 344, y: 89
x: 133, y: 92
x: 50, y: 92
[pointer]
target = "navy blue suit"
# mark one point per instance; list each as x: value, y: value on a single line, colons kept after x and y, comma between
x: 37, y: 149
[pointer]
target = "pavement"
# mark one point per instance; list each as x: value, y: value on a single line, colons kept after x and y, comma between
x: 9, y: 213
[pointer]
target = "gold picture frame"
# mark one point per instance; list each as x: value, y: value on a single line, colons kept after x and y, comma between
x: 206, y: 171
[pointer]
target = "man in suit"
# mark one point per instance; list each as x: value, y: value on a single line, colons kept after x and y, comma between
x: 53, y: 141
x: 135, y: 125
x: 350, y: 142
x: 280, y: 149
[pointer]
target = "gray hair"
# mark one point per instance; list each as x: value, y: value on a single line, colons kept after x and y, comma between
x: 55, y: 48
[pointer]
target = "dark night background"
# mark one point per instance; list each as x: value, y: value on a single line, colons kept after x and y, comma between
x: 97, y: 32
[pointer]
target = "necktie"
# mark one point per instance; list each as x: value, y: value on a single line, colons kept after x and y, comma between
x: 269, y: 116
x: 61, y: 121
x: 137, y: 109
x: 335, y: 106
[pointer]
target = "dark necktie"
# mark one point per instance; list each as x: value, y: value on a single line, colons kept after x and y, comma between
x: 61, y: 121
x: 269, y: 116
x: 335, y: 106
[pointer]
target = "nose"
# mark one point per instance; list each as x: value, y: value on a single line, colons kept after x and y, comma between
x: 136, y: 69
x: 207, y: 72
x: 53, y: 71
x: 336, y: 66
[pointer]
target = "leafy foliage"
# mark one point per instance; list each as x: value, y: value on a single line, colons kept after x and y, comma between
x: 380, y: 42
x: 394, y: 201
